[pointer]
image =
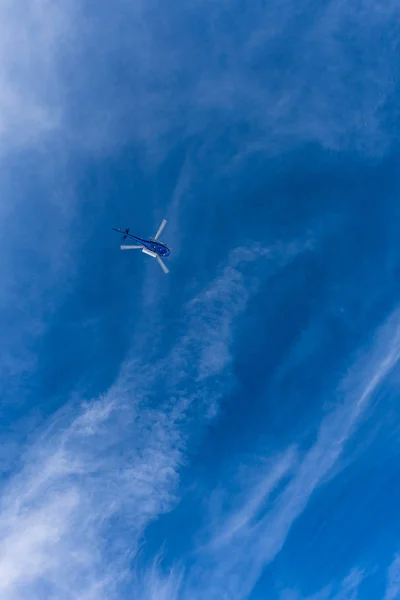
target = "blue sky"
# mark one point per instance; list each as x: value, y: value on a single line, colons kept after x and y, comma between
x: 230, y: 431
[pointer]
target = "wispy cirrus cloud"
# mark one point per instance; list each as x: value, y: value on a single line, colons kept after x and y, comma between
x: 116, y: 460
x: 393, y: 580
x: 155, y: 584
x: 201, y: 358
x: 305, y: 75
x: 249, y: 536
x: 73, y: 517
x: 33, y: 38
x: 238, y: 524
x: 347, y: 589
x: 332, y: 92
x: 79, y: 479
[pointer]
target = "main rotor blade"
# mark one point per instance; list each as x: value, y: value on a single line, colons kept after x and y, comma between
x: 131, y: 247
x: 163, y: 224
x: 162, y: 265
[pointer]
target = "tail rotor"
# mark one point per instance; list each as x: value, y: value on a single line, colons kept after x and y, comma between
x: 125, y: 234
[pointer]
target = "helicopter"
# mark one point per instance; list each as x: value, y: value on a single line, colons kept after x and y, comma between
x: 151, y: 246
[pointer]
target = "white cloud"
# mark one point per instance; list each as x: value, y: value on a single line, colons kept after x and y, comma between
x: 154, y: 584
x: 59, y: 515
x: 255, y: 532
x: 214, y: 311
x: 100, y: 473
x: 38, y: 202
x: 201, y: 357
x: 239, y: 524
x: 115, y: 460
x: 347, y: 589
x: 393, y: 580
x: 292, y: 77
x: 32, y: 37
x: 304, y: 76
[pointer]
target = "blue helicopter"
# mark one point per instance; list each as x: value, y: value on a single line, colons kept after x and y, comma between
x: 152, y: 246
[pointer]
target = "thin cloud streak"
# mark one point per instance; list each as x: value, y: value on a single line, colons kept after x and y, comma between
x: 154, y: 584
x: 200, y: 358
x: 238, y: 524
x: 347, y: 589
x: 393, y: 580
x: 234, y: 567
